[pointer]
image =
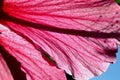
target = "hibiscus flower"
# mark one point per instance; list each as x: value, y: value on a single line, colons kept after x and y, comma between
x: 43, y: 39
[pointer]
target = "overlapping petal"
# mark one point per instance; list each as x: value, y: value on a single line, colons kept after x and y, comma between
x: 32, y: 61
x: 80, y: 35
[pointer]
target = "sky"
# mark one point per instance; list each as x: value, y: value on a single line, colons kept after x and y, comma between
x: 113, y: 72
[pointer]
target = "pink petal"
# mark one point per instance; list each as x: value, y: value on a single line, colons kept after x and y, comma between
x: 93, y: 15
x: 83, y: 57
x: 5, y: 74
x: 33, y: 64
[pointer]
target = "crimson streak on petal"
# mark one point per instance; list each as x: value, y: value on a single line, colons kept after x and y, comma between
x: 82, y: 33
x: 1, y: 8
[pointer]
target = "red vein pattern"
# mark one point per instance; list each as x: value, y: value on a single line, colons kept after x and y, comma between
x: 81, y: 36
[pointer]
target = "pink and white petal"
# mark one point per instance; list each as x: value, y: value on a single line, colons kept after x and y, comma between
x: 79, y: 56
x: 33, y: 64
x: 83, y: 57
x: 5, y: 73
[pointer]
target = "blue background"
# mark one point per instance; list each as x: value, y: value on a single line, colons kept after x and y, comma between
x: 113, y: 72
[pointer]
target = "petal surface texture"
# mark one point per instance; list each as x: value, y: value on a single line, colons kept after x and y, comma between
x: 32, y: 62
x: 80, y: 35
